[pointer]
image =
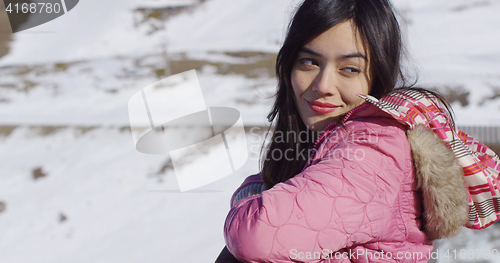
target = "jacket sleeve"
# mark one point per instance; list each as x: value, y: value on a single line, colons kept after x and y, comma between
x: 251, y: 186
x: 343, y: 200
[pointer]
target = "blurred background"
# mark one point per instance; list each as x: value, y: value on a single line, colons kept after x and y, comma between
x: 74, y: 189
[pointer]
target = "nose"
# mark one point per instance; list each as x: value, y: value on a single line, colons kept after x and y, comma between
x: 325, y: 83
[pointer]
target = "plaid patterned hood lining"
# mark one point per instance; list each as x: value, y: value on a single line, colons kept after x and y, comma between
x: 481, y: 166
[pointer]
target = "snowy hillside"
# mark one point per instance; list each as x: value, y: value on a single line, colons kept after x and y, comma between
x: 74, y: 189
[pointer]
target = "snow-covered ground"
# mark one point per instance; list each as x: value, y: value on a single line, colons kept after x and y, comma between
x: 118, y: 204
x: 64, y: 89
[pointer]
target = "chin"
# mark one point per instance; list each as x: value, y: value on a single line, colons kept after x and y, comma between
x: 319, y: 125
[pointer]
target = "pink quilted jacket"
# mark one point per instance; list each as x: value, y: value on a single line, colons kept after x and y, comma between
x: 355, y: 201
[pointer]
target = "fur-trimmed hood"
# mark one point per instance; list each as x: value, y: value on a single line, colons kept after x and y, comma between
x: 439, y: 176
x: 438, y: 172
x: 440, y: 179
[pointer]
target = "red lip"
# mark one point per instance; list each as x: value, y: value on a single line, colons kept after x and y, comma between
x: 321, y: 107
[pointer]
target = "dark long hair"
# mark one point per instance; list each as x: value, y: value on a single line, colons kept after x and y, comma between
x: 379, y: 30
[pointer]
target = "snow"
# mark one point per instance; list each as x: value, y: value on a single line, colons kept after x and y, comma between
x: 116, y: 209
x: 97, y: 29
x: 121, y: 205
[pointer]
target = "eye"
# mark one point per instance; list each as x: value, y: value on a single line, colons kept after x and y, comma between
x: 308, y: 62
x: 351, y: 70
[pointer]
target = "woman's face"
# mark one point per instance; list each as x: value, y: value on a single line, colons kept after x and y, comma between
x: 328, y: 73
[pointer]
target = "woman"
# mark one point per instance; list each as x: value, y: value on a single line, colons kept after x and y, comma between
x: 357, y: 170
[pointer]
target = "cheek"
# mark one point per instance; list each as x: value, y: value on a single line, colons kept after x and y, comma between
x: 295, y: 81
x: 359, y: 86
x: 300, y: 83
x: 363, y: 86
x: 369, y: 81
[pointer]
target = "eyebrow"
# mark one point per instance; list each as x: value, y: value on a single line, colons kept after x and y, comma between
x: 347, y: 56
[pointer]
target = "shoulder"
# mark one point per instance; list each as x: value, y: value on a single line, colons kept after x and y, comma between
x: 369, y: 135
x: 367, y: 126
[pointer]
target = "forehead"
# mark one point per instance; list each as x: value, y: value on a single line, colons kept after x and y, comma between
x: 344, y: 38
